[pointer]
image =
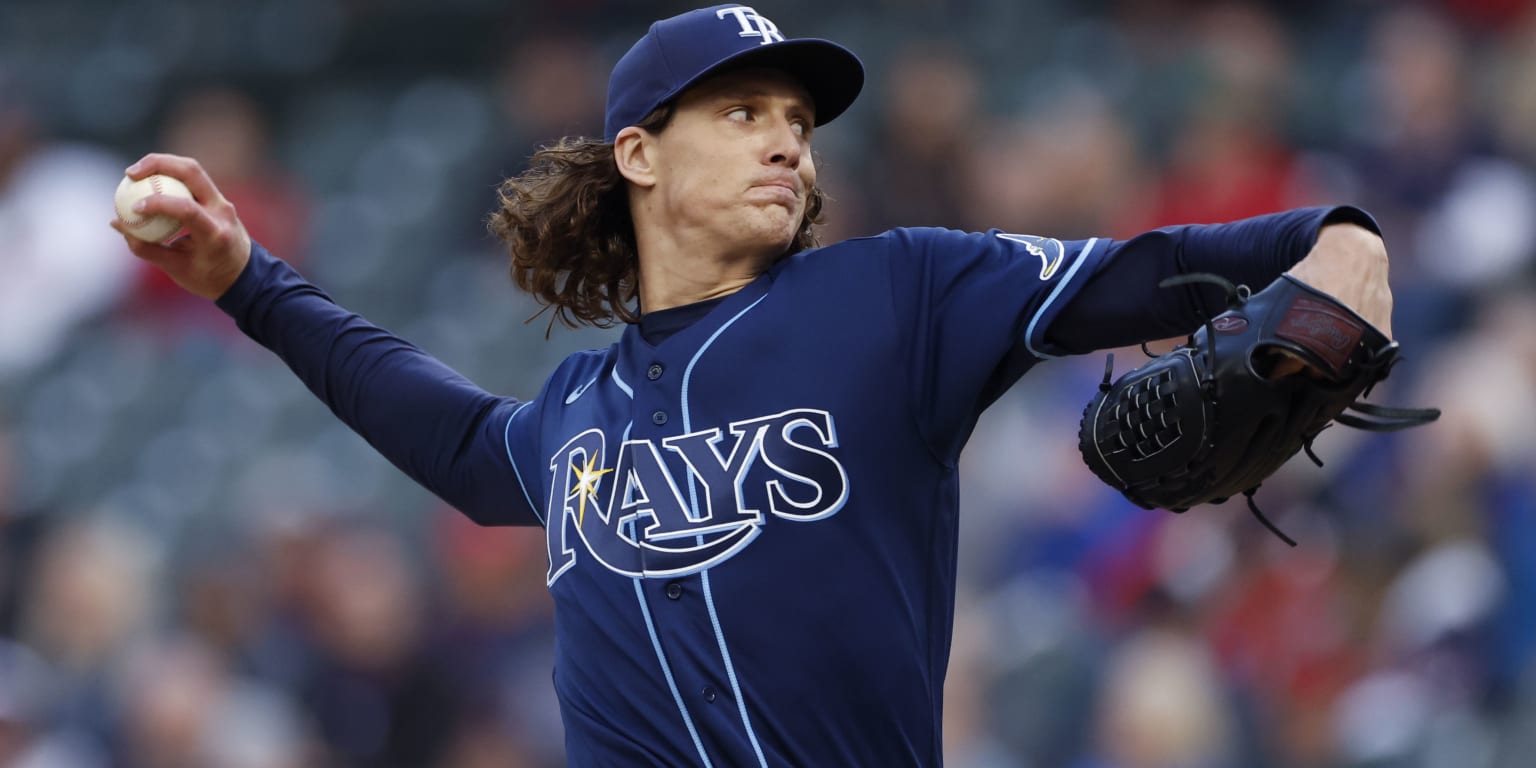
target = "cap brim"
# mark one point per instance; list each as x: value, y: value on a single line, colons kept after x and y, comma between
x: 832, y: 74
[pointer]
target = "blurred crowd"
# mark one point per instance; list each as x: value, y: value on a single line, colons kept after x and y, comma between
x: 200, y: 568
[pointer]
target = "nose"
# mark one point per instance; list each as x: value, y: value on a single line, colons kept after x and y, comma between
x: 784, y: 145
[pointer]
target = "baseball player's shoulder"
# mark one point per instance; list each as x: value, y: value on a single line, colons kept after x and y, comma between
x: 899, y: 237
x: 925, y: 240
x: 576, y: 373
x: 587, y: 361
x: 858, y: 250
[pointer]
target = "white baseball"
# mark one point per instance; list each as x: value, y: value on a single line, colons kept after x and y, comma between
x: 153, y: 229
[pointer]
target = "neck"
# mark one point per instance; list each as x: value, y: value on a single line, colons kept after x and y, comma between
x: 676, y: 271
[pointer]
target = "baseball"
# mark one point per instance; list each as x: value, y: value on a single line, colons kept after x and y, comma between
x: 154, y: 229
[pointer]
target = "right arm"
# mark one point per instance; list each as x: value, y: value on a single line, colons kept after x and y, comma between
x: 440, y: 429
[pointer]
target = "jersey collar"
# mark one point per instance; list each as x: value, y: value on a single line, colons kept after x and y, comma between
x: 694, y: 336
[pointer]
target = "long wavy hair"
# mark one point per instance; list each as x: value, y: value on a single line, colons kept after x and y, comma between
x: 567, y: 228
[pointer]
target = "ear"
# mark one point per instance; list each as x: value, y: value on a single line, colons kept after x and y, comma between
x: 633, y: 151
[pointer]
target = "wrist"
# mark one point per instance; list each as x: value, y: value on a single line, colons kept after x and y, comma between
x: 1349, y: 263
x: 1352, y: 236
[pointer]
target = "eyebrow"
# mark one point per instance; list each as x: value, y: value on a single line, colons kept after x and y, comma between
x: 745, y: 91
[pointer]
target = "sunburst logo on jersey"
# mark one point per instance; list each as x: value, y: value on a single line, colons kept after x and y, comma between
x: 587, y: 479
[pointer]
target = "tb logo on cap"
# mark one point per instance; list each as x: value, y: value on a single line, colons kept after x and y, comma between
x: 753, y: 25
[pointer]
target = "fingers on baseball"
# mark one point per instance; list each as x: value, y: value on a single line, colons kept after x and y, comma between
x: 178, y: 208
x: 185, y: 169
x: 201, y: 229
x: 153, y: 253
x: 205, y: 219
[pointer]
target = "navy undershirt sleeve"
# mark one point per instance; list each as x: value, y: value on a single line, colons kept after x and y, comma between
x: 1121, y: 304
x: 443, y: 431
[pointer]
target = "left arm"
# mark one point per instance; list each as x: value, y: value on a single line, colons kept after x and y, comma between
x: 1336, y: 250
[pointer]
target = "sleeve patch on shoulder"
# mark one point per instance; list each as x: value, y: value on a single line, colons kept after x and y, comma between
x: 1049, y: 249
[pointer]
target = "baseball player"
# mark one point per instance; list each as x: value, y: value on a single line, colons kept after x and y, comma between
x: 750, y: 499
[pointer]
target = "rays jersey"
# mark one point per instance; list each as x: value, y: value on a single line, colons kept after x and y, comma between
x: 751, y: 520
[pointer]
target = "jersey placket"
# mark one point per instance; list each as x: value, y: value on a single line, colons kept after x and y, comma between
x: 679, y: 604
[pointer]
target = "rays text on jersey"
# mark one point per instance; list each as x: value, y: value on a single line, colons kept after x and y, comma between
x: 637, y: 517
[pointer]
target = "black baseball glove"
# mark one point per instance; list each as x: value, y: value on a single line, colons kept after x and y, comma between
x: 1208, y: 420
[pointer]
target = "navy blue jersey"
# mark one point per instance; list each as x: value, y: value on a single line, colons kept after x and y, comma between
x: 751, y: 522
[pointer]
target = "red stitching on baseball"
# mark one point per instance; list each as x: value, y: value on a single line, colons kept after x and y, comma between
x: 128, y: 217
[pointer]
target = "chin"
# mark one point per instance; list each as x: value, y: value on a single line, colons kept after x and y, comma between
x: 783, y: 243
x: 775, y: 237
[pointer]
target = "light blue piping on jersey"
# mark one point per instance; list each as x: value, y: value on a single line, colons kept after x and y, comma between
x: 709, y: 600
x: 620, y: 382
x: 645, y: 610
x: 1029, y: 334
x: 730, y: 670
x: 507, y: 439
x: 661, y: 655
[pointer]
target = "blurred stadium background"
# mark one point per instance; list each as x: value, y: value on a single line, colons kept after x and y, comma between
x: 200, y: 567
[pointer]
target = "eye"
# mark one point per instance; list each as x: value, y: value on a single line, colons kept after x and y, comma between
x: 739, y: 114
x: 801, y: 128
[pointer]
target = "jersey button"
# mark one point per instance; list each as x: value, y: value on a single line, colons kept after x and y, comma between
x: 709, y: 694
x: 654, y: 372
x: 659, y: 418
x: 674, y: 590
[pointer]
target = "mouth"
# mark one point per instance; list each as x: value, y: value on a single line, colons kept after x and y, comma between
x: 780, y: 189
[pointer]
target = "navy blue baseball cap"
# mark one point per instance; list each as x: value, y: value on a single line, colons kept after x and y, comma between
x: 681, y: 51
